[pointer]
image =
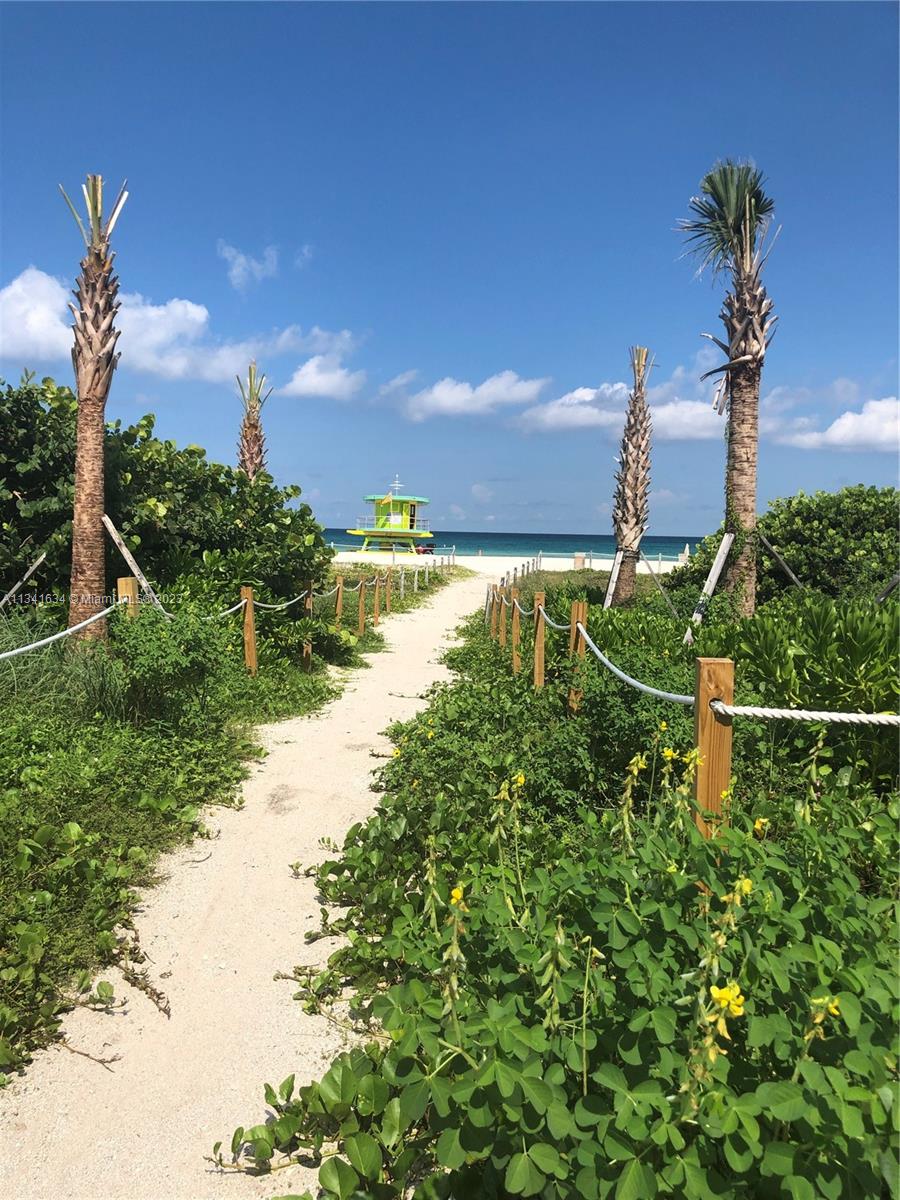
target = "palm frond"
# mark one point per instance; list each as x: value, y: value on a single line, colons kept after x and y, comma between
x: 729, y: 217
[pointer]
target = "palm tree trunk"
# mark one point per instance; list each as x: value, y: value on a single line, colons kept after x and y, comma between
x: 627, y: 576
x: 88, y: 548
x: 740, y: 483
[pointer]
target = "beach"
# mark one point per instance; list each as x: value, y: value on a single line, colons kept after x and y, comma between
x: 494, y: 566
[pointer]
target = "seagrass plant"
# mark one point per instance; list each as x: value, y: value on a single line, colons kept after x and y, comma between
x: 631, y: 502
x: 727, y: 230
x: 252, y: 442
x: 94, y: 359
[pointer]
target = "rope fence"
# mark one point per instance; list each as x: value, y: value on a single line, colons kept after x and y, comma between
x: 64, y: 633
x: 131, y: 589
x: 712, y: 699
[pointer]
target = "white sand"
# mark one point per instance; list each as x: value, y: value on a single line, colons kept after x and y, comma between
x: 492, y: 565
x: 216, y: 931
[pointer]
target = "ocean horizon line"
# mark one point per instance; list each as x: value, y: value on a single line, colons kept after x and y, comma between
x: 509, y: 544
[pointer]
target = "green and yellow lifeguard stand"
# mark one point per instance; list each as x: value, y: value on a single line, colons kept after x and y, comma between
x: 395, y: 524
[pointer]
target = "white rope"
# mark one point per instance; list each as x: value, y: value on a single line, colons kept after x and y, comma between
x: 675, y: 697
x: 347, y: 587
x: 526, y: 612
x: 278, y: 607
x: 324, y: 595
x: 234, y: 608
x: 553, y: 624
x: 63, y: 634
x: 802, y: 714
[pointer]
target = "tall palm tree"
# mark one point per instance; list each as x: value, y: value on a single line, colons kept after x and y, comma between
x: 727, y: 230
x: 631, y: 502
x: 252, y: 442
x: 94, y: 359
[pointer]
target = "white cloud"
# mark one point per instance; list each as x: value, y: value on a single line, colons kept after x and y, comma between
x: 875, y: 427
x: 452, y: 397
x: 172, y: 340
x: 323, y: 375
x: 303, y: 256
x: 33, y: 318
x: 482, y: 493
x: 681, y: 406
x: 686, y: 421
x: 457, y: 512
x: 584, y: 408
x: 398, y: 384
x: 243, y: 269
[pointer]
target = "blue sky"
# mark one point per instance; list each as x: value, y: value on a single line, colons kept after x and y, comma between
x: 439, y: 228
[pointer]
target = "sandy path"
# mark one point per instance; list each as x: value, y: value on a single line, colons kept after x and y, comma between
x: 216, y: 931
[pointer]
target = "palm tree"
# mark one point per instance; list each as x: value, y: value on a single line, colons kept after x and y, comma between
x: 727, y: 230
x: 94, y: 360
x: 252, y: 442
x: 631, y: 502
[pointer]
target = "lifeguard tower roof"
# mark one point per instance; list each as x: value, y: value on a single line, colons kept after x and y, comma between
x: 377, y: 497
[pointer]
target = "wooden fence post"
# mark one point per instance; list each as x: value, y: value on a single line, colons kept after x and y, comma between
x: 516, y: 632
x: 712, y: 737
x: 308, y: 613
x: 539, y: 599
x: 376, y: 605
x: 127, y: 586
x: 402, y: 582
x: 494, y: 613
x: 361, y: 626
x: 339, y: 602
x: 579, y: 614
x: 573, y: 617
x: 416, y: 580
x: 503, y: 607
x: 388, y: 585
x: 249, y: 630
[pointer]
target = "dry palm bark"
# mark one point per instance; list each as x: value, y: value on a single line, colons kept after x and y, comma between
x: 727, y: 229
x: 94, y: 359
x: 252, y: 442
x: 631, y: 502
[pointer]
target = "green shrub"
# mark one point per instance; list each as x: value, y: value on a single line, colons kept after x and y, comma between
x: 839, y: 544
x: 171, y: 505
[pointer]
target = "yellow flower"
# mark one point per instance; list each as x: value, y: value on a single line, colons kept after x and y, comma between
x: 831, y: 1003
x: 396, y: 752
x: 671, y: 868
x: 743, y: 887
x: 663, y: 726
x: 457, y: 900
x: 415, y: 783
x: 669, y: 753
x: 520, y: 780
x: 638, y: 764
x: 729, y: 998
x: 760, y: 826
x: 430, y: 733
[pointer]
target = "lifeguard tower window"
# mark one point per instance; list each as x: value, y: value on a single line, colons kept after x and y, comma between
x: 412, y: 516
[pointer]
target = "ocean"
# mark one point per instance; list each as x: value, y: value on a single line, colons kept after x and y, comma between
x: 527, y: 545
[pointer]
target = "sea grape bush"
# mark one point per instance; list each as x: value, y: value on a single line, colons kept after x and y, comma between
x: 564, y: 992
x: 838, y: 544
x: 170, y: 503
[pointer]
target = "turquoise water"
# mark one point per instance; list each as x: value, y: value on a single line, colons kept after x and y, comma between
x: 527, y: 545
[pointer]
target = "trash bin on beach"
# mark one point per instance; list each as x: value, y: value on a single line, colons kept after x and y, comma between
x: 579, y: 562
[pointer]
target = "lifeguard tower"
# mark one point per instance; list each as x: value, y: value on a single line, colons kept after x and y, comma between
x: 395, y: 524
